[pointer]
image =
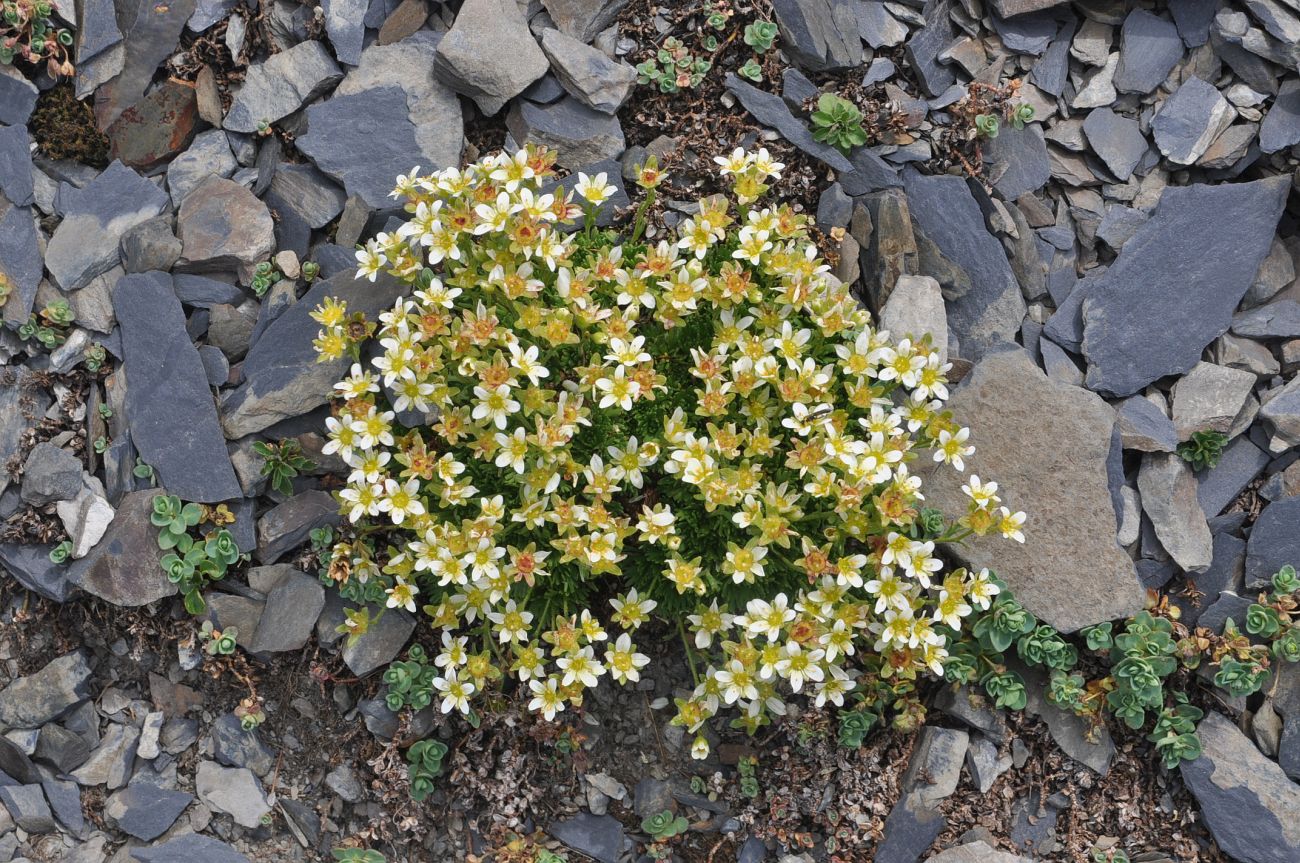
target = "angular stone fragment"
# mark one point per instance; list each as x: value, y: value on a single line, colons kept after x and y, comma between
x: 123, y: 567
x: 1144, y: 427
x: 1246, y: 800
x: 1190, y: 120
x: 914, y: 309
x: 580, y: 136
x: 286, y: 81
x: 1169, y: 499
x: 189, y: 848
x: 1008, y: 8
x: 1071, y: 572
x: 926, y: 44
x: 1281, y: 126
x: 985, y: 305
x: 1209, y: 397
x: 1116, y: 139
x: 1016, y: 161
x: 86, y: 243
x: 173, y: 421
x: 222, y: 226
x: 821, y: 35
x: 588, y: 73
x: 282, y: 378
x: 489, y: 54
x: 345, y: 24
x: 1149, y: 49
x: 32, y: 701
x: 1175, y: 284
x: 583, y: 19
x: 233, y: 790
x: 1274, y: 541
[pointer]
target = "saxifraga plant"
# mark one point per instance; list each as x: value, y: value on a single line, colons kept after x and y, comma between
x: 838, y: 122
x: 706, y: 427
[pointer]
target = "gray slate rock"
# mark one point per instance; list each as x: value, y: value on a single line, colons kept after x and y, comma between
x: 123, y: 568
x: 17, y: 98
x: 1209, y: 398
x: 1149, y: 49
x: 16, y: 182
x: 600, y: 837
x: 282, y: 84
x: 223, y: 226
x: 191, y: 848
x: 583, y: 19
x: 233, y: 790
x: 48, y: 694
x: 150, y: 245
x: 1193, y: 260
x: 1279, y: 319
x: 286, y: 526
x: 290, y: 614
x: 173, y: 421
x: 420, y: 121
x: 588, y: 73
x: 977, y: 852
x: 1190, y: 120
x: 146, y: 811
x: 1071, y: 572
x: 910, y: 828
x: 819, y: 35
x: 380, y: 643
x: 282, y: 378
x: 1009, y: 8
x: 1193, y: 18
x: 985, y: 305
x: 86, y: 243
x: 20, y: 259
x: 1144, y: 427
x: 1169, y: 499
x: 1274, y: 541
x: 208, y: 156
x: 935, y: 765
x: 1281, y: 126
x: 1116, y: 139
x: 1281, y: 414
x: 30, y: 565
x: 1016, y: 161
x: 50, y: 473
x: 110, y: 763
x: 1246, y: 800
x: 28, y: 808
x: 235, y: 747
x: 579, y: 135
x: 345, y: 24
x: 489, y: 54
x: 926, y: 44
x: 150, y: 38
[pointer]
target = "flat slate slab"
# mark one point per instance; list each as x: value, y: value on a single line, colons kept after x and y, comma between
x: 1175, y: 284
x: 1070, y: 572
x: 985, y: 304
x: 173, y: 420
x: 282, y: 378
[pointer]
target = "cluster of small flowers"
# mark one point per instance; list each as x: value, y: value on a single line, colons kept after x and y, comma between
x: 790, y: 432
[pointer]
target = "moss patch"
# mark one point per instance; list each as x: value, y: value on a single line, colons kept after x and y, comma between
x: 64, y: 128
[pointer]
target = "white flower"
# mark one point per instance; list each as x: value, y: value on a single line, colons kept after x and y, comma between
x: 455, y: 692
x: 595, y: 189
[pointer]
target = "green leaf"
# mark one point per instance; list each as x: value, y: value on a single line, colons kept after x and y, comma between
x: 194, y: 603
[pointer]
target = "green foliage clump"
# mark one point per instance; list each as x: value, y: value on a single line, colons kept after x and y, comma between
x: 30, y: 34
x: 838, y: 122
x: 424, y: 763
x: 1203, y: 449
x: 664, y: 825
x: 674, y: 67
x: 50, y: 326
x: 281, y: 462
x: 218, y: 642
x: 760, y: 35
x: 410, y: 682
x: 192, y: 562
